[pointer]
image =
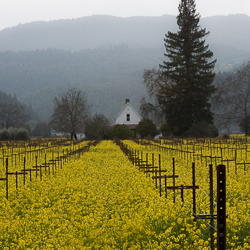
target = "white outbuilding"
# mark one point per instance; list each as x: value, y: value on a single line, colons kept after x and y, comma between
x: 128, y: 116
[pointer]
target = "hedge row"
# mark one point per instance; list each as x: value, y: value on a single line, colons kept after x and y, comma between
x: 14, y: 134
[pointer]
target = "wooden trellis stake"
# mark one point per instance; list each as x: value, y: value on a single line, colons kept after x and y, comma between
x: 221, y: 207
x: 182, y: 187
x: 165, y: 177
x: 6, y: 178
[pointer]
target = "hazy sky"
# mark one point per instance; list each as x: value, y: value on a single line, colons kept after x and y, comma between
x: 14, y: 12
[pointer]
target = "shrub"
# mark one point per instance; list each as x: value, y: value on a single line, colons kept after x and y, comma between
x: 201, y: 130
x: 121, y: 131
x: 5, y: 135
x: 22, y: 134
x: 14, y: 134
x: 165, y: 130
x: 42, y: 129
x: 146, y: 128
x: 225, y: 136
x: 97, y: 127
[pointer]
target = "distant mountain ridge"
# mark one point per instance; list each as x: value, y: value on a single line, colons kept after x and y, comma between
x: 103, y: 31
x: 104, y: 56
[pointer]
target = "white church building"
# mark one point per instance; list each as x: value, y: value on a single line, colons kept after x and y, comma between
x: 128, y: 116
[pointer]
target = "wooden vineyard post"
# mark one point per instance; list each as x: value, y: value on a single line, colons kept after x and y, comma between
x: 221, y: 207
x: 7, y: 187
x: 160, y: 176
x: 6, y: 179
x: 60, y: 159
x: 194, y: 197
x: 160, y: 173
x: 173, y: 180
x: 24, y: 171
x: 36, y: 166
x: 201, y: 155
x: 182, y: 187
x: 156, y: 178
x: 3, y: 156
x: 63, y: 157
x: 235, y: 161
x: 153, y: 165
x: 211, y: 206
x: 135, y: 158
x: 165, y: 185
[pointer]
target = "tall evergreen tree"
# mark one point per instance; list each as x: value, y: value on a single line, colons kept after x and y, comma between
x: 189, y: 69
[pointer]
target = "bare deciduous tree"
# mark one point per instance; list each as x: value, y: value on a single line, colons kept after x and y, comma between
x: 233, y: 97
x: 97, y: 127
x: 70, y: 112
x: 156, y: 86
x: 12, y: 115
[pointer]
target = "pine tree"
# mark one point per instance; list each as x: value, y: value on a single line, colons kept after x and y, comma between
x: 190, y: 70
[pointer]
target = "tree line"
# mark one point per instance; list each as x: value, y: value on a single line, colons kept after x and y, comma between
x: 13, y: 113
x: 184, y: 96
x: 19, y: 121
x: 104, y: 74
x: 181, y: 87
x: 185, y: 100
x: 231, y: 103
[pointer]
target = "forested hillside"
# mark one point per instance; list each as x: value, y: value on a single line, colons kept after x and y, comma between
x: 102, y: 55
x: 87, y: 33
x: 103, y: 31
x: 9, y: 99
x: 108, y: 76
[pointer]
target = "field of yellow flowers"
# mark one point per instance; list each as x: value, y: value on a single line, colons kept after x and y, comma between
x: 101, y: 201
x: 215, y: 153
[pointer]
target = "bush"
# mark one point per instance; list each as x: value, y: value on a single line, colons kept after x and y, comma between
x: 42, y: 129
x: 146, y: 128
x: 22, y: 134
x: 121, y: 131
x: 5, y: 135
x: 165, y: 130
x: 14, y: 134
x: 97, y: 127
x: 225, y: 136
x: 201, y: 130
